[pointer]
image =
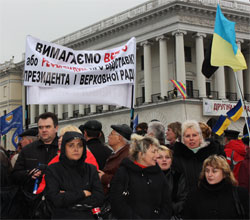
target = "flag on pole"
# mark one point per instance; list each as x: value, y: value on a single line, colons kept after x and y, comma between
x: 181, y: 88
x: 235, y: 113
x: 15, y: 137
x: 207, y: 69
x: 221, y: 125
x: 14, y: 119
x: 135, y: 123
x: 224, y: 48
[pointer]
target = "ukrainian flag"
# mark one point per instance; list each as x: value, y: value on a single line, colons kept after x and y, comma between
x: 236, y: 111
x: 221, y: 125
x: 224, y: 48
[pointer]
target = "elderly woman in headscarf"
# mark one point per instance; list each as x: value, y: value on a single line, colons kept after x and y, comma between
x: 191, y: 152
x: 72, y: 186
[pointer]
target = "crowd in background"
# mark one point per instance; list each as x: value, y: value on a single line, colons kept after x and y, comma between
x: 178, y: 172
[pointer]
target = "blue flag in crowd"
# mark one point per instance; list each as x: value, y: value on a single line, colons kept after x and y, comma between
x: 135, y: 123
x: 14, y: 119
x: 15, y: 138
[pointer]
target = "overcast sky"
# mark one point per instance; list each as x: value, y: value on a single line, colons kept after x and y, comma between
x: 49, y: 20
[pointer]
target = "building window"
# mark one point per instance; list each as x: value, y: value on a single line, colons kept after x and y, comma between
x: 188, y: 56
x: 143, y: 94
x: 189, y: 87
x: 208, y: 89
x: 142, y: 62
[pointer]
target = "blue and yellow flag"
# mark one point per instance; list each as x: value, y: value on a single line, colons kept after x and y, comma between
x: 224, y: 48
x: 221, y: 125
x: 236, y: 111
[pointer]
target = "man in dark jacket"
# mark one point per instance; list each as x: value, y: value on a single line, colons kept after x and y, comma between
x: 91, y: 131
x: 33, y: 159
x: 119, y: 141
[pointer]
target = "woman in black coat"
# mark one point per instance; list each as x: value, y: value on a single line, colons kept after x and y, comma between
x: 176, y: 181
x: 139, y: 189
x: 72, y: 186
x: 217, y: 196
x: 190, y: 154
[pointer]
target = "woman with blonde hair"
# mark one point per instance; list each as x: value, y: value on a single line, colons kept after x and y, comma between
x: 176, y: 181
x: 191, y: 152
x: 139, y: 188
x: 218, y: 196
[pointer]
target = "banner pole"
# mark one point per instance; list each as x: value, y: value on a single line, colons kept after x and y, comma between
x: 26, y: 109
x: 243, y: 103
x: 132, y: 109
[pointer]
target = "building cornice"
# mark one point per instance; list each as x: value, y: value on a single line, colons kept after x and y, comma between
x: 150, y: 10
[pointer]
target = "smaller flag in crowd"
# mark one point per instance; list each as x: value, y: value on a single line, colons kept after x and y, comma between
x: 181, y: 88
x: 236, y: 111
x: 221, y: 125
x: 135, y: 123
x: 13, y: 119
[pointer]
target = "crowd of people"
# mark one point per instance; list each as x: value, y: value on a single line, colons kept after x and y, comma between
x: 177, y: 172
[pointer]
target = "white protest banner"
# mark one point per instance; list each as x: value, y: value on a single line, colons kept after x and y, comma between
x: 55, y: 74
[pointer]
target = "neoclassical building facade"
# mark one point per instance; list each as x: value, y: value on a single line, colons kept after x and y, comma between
x: 172, y: 37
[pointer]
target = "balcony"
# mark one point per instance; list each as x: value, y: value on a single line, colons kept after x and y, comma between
x: 213, y: 95
x: 247, y: 97
x: 193, y: 94
x: 231, y: 96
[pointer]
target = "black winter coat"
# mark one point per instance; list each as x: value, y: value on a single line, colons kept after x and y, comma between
x: 72, y: 177
x: 215, y: 202
x: 148, y: 197
x: 178, y: 188
x: 99, y: 150
x: 190, y: 163
x: 29, y: 158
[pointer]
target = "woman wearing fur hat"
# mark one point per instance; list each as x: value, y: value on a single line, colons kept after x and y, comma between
x: 191, y: 152
x: 218, y: 196
x: 72, y: 186
x: 139, y: 189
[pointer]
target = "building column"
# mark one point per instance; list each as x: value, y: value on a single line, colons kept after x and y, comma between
x: 105, y: 108
x: 201, y: 81
x: 41, y: 109
x: 232, y: 82
x: 32, y: 114
x: 164, y: 78
x: 92, y: 109
x: 81, y: 109
x: 60, y: 111
x: 70, y: 110
x: 220, y: 82
x: 51, y: 108
x: 147, y: 71
x: 239, y: 74
x: 180, y: 56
